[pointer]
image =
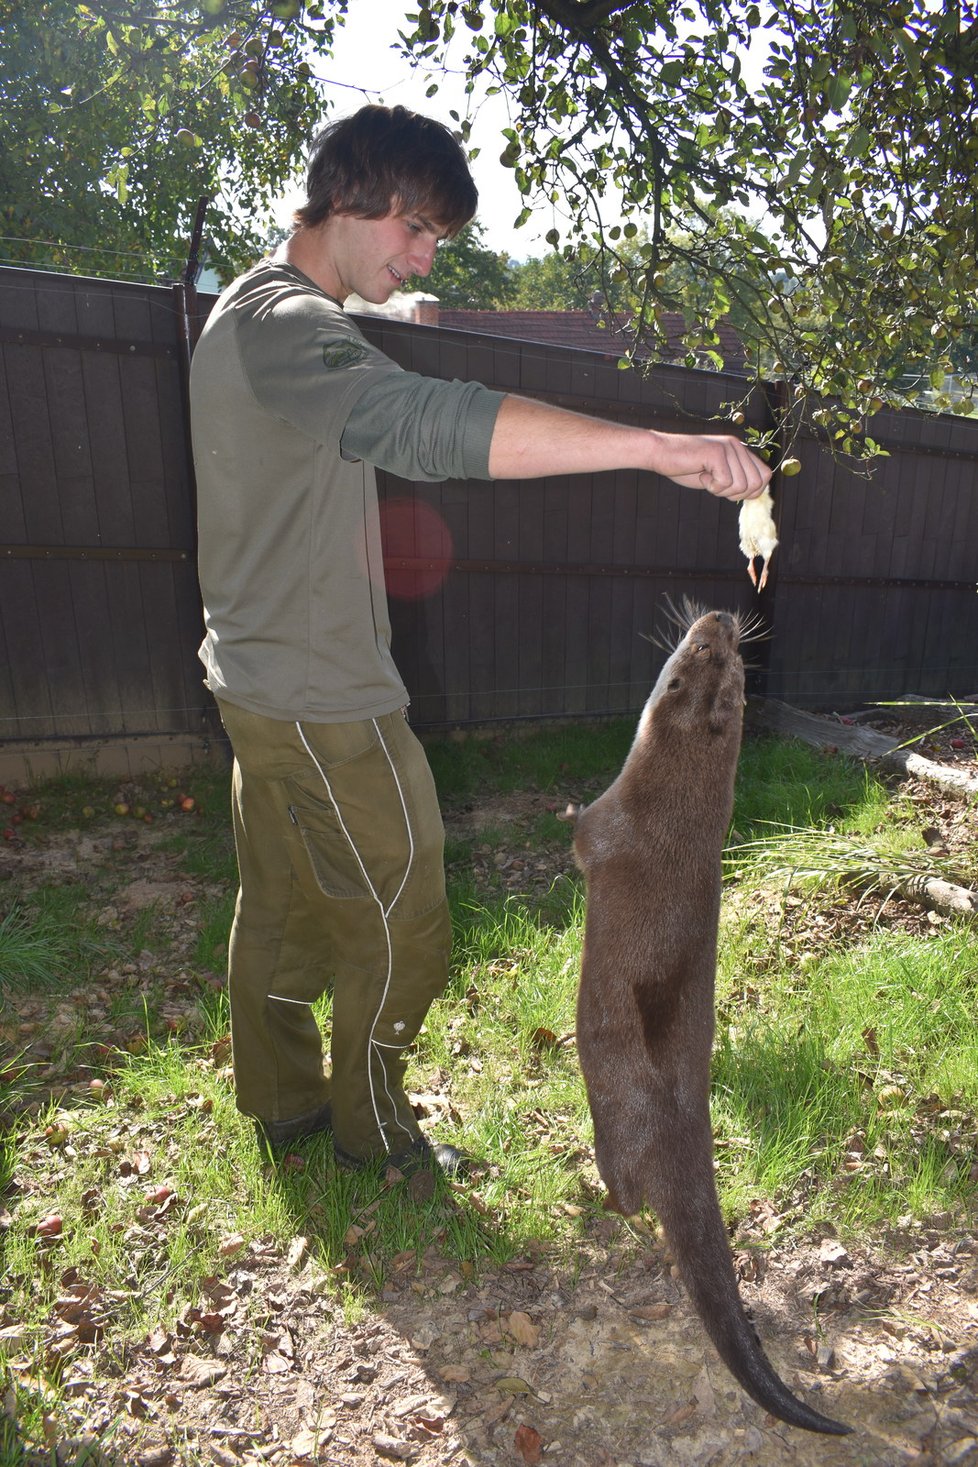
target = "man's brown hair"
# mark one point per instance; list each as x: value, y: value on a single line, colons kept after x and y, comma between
x: 385, y: 158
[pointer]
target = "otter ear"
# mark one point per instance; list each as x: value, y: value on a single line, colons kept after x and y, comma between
x: 674, y: 684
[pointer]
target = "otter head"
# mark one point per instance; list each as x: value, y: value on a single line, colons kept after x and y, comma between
x: 700, y: 690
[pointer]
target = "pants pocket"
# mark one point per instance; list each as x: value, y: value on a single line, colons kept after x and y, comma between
x: 334, y: 861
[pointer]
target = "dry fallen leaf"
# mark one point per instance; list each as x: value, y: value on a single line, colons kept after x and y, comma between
x: 529, y: 1444
x: 279, y: 1352
x: 651, y: 1311
x: 523, y: 1330
x: 433, y: 1425
x: 681, y: 1414
x: 513, y: 1385
x: 197, y: 1371
x: 161, y: 1344
x: 306, y: 1442
x: 458, y: 1374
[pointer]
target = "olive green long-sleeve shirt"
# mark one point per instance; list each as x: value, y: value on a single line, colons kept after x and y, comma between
x: 291, y: 410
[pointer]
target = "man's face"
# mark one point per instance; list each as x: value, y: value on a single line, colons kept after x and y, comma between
x: 374, y: 257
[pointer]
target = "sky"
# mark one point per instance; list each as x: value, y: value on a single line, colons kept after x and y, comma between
x: 365, y: 68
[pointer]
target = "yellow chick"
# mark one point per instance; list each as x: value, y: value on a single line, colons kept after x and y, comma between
x: 758, y: 535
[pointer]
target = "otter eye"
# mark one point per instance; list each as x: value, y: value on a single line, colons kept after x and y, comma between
x: 702, y: 646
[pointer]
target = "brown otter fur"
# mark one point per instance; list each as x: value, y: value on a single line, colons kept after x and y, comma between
x: 650, y: 849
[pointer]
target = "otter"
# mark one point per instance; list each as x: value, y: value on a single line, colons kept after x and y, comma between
x: 650, y: 851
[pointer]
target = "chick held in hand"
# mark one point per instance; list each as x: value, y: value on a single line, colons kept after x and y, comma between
x: 758, y: 535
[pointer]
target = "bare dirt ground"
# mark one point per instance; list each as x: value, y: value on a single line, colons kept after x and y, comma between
x: 598, y: 1365
x: 532, y: 1365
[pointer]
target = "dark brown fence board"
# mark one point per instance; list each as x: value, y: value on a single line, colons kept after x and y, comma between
x: 963, y: 533
x: 529, y: 645
x: 30, y: 710
x: 624, y: 491
x: 175, y: 459
x: 140, y: 400
x: 7, y: 697
x: 572, y: 668
x: 32, y: 438
x: 455, y: 641
x: 96, y: 636
x: 553, y: 638
x: 482, y: 643
x: 8, y: 457
x: 18, y: 300
x: 56, y: 309
x: 68, y: 424
x: 107, y: 441
x: 94, y: 308
x: 620, y: 638
x: 599, y: 677
x: 61, y: 650
x: 131, y: 647
x: 160, y: 608
x: 131, y: 315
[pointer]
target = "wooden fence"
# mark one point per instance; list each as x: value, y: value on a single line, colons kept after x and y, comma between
x: 509, y: 600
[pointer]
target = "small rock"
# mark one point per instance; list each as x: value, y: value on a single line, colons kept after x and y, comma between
x: 298, y: 1252
x: 398, y: 1451
x: 832, y: 1253
x: 825, y: 1357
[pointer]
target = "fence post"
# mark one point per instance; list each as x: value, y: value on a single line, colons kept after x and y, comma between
x: 185, y: 297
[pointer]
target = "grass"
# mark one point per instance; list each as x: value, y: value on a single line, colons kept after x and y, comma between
x: 845, y: 1078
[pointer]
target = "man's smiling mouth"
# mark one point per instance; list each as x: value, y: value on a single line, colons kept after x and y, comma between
x: 399, y: 278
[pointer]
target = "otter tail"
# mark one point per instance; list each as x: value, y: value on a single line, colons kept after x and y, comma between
x: 690, y: 1214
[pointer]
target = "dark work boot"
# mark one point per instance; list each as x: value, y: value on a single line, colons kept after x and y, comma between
x: 421, y: 1155
x: 278, y: 1135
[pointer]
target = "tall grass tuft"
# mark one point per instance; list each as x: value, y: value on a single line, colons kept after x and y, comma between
x: 34, y: 950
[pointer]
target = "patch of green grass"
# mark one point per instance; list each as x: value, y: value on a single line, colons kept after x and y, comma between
x: 50, y: 937
x: 32, y: 951
x: 872, y: 1046
x: 783, y: 782
x: 561, y: 759
x: 214, y: 917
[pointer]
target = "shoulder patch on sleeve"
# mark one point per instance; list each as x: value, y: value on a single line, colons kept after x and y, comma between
x: 340, y: 354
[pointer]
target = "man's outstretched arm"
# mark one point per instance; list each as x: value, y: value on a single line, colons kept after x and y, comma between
x: 533, y: 439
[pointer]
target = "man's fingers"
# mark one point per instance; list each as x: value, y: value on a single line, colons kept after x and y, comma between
x: 732, y: 471
x: 720, y: 464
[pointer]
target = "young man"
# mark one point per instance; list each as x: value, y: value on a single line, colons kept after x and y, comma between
x: 338, y: 833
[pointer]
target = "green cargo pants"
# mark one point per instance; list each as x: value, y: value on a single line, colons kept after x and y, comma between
x: 340, y: 850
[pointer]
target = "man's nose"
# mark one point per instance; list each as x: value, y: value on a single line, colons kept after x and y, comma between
x: 422, y: 257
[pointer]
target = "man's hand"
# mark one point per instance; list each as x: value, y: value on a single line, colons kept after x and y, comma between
x: 719, y: 464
